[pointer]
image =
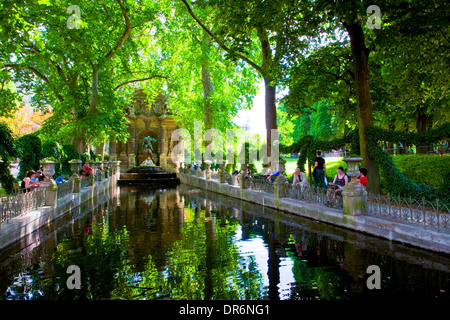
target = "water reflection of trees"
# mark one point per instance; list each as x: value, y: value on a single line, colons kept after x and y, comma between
x: 183, y: 246
x: 206, y: 264
x: 202, y: 264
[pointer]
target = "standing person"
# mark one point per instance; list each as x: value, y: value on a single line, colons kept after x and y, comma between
x: 321, y: 171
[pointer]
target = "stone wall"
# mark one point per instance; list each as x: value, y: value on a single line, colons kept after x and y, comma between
x: 35, y: 224
x: 394, y: 231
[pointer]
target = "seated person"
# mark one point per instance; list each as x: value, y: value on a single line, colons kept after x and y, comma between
x: 35, y: 177
x: 40, y: 175
x: 87, y: 169
x: 362, y: 176
x: 27, y: 183
x: 60, y: 180
x: 299, y: 179
x: 273, y: 174
x: 340, y: 180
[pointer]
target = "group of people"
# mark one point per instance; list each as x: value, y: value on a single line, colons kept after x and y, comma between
x: 319, y: 174
x: 340, y: 179
x: 33, y: 178
x: 86, y: 171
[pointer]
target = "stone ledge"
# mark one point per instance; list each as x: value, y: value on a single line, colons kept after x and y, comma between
x: 399, y: 232
x: 23, y: 226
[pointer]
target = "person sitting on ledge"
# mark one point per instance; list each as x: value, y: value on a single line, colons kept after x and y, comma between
x: 87, y: 169
x: 362, y: 176
x: 340, y: 180
x: 27, y: 184
x: 299, y: 179
x: 273, y: 174
x: 60, y: 180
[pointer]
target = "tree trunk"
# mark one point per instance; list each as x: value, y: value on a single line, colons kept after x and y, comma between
x: 271, y: 117
x: 364, y: 101
x: 390, y: 144
x: 208, y: 88
x: 422, y: 124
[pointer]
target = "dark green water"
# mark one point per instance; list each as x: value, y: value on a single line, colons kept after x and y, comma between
x: 190, y: 244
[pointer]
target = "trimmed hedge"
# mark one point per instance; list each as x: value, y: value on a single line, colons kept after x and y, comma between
x: 424, y: 168
x: 393, y: 179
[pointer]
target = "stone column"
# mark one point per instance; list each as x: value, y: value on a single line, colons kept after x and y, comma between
x: 51, y: 194
x: 354, y: 193
x: 163, y: 146
x: 76, y: 184
x: 354, y: 198
x: 112, y: 150
x: 132, y: 140
x: 131, y: 160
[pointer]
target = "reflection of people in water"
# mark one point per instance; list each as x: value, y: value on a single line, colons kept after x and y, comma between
x: 87, y: 228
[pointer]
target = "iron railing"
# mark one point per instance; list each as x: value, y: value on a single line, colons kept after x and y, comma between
x: 433, y: 215
x: 64, y: 189
x: 85, y: 182
x: 21, y: 203
x: 330, y: 198
x: 261, y: 184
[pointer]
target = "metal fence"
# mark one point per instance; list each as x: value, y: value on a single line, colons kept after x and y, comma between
x: 433, y: 215
x: 21, y: 203
x: 260, y: 183
x: 85, y: 182
x: 330, y: 198
x: 65, y: 189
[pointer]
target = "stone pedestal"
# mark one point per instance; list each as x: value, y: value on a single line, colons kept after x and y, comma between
x: 76, y: 184
x: 354, y: 198
x: 131, y: 160
x: 51, y: 194
x: 354, y: 193
x: 243, y: 182
x: 280, y: 184
x: 222, y: 176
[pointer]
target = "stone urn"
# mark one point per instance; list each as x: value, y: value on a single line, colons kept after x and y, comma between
x: 49, y: 169
x: 280, y: 166
x: 75, y: 167
x: 208, y: 168
x: 352, y: 166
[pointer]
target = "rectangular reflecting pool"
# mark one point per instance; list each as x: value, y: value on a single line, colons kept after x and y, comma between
x: 182, y: 243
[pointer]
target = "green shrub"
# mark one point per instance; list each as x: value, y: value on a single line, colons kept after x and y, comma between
x: 70, y: 152
x: 332, y: 169
x: 52, y: 149
x: 7, y: 150
x: 429, y: 169
x: 29, y: 148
